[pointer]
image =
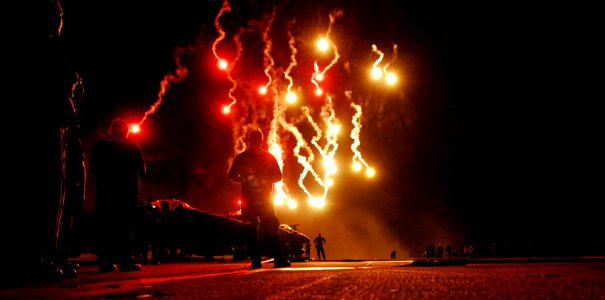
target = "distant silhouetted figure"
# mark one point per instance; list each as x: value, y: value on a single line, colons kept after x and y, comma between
x: 393, y: 254
x: 257, y: 170
x: 319, y: 242
x: 148, y: 233
x: 440, y: 251
x: 471, y: 250
x: 448, y: 250
x: 117, y: 163
x: 430, y: 251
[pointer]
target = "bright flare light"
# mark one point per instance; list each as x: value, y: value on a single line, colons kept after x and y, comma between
x: 291, y: 97
x: 370, y: 172
x: 376, y: 73
x: 292, y: 204
x: 222, y: 64
x: 391, y: 78
x: 279, y: 199
x: 323, y: 44
x: 262, y: 90
x: 134, y: 128
x: 317, y: 202
x: 357, y: 166
x: 330, y: 165
x: 333, y: 129
x: 226, y: 109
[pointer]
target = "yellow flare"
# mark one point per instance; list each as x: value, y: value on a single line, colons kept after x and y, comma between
x: 391, y: 78
x: 317, y: 202
x: 334, y: 129
x: 376, y: 73
x: 323, y: 44
x: 262, y: 90
x: 292, y: 204
x: 330, y: 165
x: 291, y: 97
x: 358, y: 161
x: 278, y: 199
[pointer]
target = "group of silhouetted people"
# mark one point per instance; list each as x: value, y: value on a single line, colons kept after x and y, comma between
x: 47, y: 189
x: 43, y: 222
x: 438, y: 252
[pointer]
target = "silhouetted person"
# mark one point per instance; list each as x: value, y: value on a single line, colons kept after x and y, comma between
x: 42, y: 80
x: 448, y: 250
x: 319, y: 242
x: 393, y: 254
x: 439, y: 251
x: 153, y: 216
x: 74, y: 187
x: 147, y: 232
x: 257, y: 170
x: 471, y: 250
x: 430, y: 251
x: 117, y: 163
x: 169, y: 236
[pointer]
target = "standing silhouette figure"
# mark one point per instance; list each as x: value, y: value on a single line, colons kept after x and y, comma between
x: 319, y: 242
x: 117, y: 163
x: 257, y: 170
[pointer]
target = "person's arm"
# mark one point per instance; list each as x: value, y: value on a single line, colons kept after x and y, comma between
x: 274, y: 174
x: 234, y: 170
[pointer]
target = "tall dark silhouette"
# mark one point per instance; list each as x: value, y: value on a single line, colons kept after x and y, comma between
x: 117, y: 163
x: 319, y: 242
x: 70, y: 233
x: 41, y: 79
x: 257, y: 170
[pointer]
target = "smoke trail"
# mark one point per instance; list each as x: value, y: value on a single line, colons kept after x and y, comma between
x: 169, y: 79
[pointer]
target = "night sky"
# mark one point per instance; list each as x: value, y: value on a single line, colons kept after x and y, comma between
x: 490, y: 135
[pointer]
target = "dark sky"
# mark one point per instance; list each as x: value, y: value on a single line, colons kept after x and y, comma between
x: 488, y: 137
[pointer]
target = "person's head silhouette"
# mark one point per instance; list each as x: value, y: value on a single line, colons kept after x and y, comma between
x: 119, y: 128
x: 255, y: 139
